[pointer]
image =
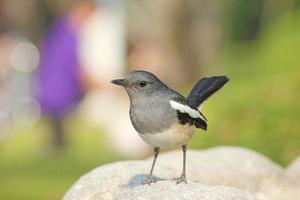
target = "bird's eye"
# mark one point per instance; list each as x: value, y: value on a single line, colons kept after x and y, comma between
x: 142, y: 83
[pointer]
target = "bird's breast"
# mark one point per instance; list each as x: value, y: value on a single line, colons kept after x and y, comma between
x: 177, y: 134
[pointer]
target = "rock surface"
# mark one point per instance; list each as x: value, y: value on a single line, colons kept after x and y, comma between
x: 242, y: 171
x: 231, y: 166
x: 293, y: 171
x: 165, y: 190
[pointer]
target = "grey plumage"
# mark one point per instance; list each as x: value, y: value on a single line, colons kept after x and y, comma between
x: 162, y: 116
x: 150, y: 110
x: 159, y: 116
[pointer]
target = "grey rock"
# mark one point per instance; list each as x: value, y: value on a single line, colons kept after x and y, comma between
x: 107, y: 181
x: 282, y: 189
x: 242, y: 171
x: 288, y: 187
x: 293, y: 171
x: 166, y: 190
x: 231, y: 166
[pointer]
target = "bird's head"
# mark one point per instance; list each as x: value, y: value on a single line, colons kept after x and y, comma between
x: 140, y: 83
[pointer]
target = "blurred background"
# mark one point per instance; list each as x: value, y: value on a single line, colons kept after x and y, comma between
x: 61, y: 117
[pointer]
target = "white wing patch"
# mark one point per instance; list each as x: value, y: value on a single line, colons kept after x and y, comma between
x: 186, y: 109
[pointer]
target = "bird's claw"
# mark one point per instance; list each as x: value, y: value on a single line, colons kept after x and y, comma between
x: 180, y: 179
x: 150, y: 179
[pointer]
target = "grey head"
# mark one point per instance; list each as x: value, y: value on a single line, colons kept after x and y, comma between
x: 149, y: 101
x: 142, y: 84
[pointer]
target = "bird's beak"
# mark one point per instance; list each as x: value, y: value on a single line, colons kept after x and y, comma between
x: 122, y: 82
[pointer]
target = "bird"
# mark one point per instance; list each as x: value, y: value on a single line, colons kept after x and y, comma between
x: 164, y: 118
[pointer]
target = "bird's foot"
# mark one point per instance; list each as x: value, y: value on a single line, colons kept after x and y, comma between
x: 181, y: 179
x: 150, y: 179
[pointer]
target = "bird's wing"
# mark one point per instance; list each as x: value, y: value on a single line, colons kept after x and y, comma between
x: 187, y: 114
x: 204, y: 88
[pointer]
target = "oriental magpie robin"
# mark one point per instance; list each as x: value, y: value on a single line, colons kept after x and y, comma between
x: 163, y: 117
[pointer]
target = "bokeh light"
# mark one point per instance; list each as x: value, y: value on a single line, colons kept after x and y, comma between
x: 24, y: 57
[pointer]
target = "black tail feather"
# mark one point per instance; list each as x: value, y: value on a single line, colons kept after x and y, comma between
x: 204, y: 88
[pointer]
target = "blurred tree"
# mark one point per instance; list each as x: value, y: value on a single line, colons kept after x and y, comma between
x: 246, y: 19
x: 196, y: 32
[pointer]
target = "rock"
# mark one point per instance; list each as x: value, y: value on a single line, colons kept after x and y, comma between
x: 165, y: 190
x: 107, y: 181
x: 282, y: 189
x: 288, y: 187
x: 243, y: 171
x: 293, y: 171
x: 231, y: 166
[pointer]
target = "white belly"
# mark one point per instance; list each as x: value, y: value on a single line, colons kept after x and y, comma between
x: 177, y: 135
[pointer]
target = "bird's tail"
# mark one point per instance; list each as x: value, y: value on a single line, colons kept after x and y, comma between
x: 204, y: 88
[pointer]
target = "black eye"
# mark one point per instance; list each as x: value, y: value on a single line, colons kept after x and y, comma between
x: 142, y: 83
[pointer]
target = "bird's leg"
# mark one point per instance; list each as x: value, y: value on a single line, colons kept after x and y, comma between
x: 182, y: 178
x: 150, y: 178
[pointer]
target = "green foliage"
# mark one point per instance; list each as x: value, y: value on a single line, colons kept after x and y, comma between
x: 29, y: 170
